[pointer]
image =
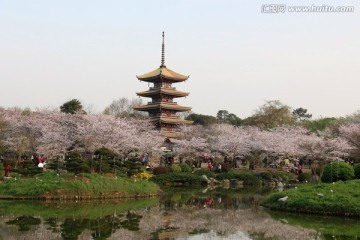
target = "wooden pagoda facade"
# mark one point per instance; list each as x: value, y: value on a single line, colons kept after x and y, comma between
x: 162, y: 108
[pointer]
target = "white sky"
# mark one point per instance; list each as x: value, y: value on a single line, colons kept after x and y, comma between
x: 237, y: 57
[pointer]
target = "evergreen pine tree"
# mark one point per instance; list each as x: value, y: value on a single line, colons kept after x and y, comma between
x: 75, y: 163
x: 30, y: 168
x: 132, y: 166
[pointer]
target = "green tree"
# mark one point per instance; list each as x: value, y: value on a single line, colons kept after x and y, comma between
x: 57, y: 164
x: 106, y: 161
x: 318, y: 124
x: 1, y: 169
x: 73, y: 106
x: 75, y: 163
x: 234, y: 120
x: 29, y: 168
x: 271, y: 114
x: 132, y: 166
x: 200, y: 119
x: 300, y: 114
x: 123, y: 107
x: 225, y: 117
x: 222, y: 115
x: 357, y: 170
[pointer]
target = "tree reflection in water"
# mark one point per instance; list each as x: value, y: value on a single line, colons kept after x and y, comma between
x: 178, y: 215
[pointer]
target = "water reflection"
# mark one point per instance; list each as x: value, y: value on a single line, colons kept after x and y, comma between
x: 24, y: 222
x: 194, y: 214
x: 326, y: 227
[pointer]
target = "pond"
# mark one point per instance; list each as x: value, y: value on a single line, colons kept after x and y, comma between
x: 180, y: 214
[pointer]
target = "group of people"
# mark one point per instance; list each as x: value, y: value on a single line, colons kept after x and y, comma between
x: 218, y: 166
x: 40, y: 160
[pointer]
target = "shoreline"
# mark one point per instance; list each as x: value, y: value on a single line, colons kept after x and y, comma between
x: 327, y: 199
x: 78, y: 197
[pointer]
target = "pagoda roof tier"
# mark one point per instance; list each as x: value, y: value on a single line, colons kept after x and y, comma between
x: 170, y: 134
x: 165, y: 91
x: 162, y: 72
x: 174, y: 121
x: 162, y: 105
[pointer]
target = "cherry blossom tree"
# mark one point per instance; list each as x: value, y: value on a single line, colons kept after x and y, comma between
x: 52, y: 133
x: 351, y: 132
x: 21, y: 136
x: 194, y: 142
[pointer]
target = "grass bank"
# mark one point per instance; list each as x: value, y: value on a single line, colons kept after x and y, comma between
x: 341, y: 198
x: 195, y: 179
x: 83, y: 186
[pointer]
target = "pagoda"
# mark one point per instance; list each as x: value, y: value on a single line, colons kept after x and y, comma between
x: 162, y: 109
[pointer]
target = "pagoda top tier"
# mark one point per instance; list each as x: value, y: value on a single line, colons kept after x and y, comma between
x: 162, y: 73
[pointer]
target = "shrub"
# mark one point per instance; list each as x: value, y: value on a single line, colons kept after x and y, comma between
x: 160, y: 170
x: 185, y: 178
x: 1, y: 169
x: 267, y: 176
x: 248, y: 178
x: 225, y: 167
x: 175, y: 168
x: 282, y: 176
x: 337, y: 171
x: 357, y: 170
x: 205, y: 172
x: 302, y: 177
x: 143, y: 175
x: 184, y: 167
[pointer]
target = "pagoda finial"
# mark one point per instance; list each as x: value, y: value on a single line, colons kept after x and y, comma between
x: 163, y: 51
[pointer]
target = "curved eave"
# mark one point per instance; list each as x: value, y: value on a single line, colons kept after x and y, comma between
x: 175, y: 107
x: 164, y: 73
x: 171, y: 134
x: 175, y: 121
x: 169, y: 92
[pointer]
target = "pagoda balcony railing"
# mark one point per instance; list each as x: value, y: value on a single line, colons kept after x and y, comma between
x: 162, y: 102
x: 165, y: 115
x: 170, y: 131
x: 153, y: 88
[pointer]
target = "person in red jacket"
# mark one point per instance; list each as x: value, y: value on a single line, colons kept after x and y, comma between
x: 210, y: 166
x: 7, y: 170
x: 299, y: 168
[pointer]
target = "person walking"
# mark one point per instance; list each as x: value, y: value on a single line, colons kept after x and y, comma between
x: 299, y: 168
x: 210, y: 166
x: 7, y: 170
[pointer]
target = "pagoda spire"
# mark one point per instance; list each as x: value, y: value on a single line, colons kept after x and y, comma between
x: 163, y: 50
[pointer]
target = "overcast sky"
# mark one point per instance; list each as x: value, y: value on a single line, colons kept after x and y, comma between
x: 237, y: 57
